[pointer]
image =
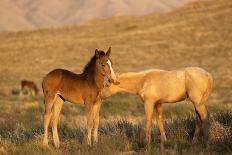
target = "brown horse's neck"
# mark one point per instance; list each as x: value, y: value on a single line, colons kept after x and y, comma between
x: 98, y: 79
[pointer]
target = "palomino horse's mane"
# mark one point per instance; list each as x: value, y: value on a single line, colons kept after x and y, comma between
x: 128, y: 74
x: 89, y: 69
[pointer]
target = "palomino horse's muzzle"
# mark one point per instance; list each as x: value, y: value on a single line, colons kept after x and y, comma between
x: 109, y: 80
x: 114, y: 81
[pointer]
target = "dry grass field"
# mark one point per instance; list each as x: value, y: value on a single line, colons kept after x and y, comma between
x: 199, y: 34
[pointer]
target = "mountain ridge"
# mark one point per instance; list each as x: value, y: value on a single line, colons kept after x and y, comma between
x: 29, y: 14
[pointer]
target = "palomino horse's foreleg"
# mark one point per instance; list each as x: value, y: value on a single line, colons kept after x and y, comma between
x: 149, y: 108
x: 201, y: 109
x: 47, y: 116
x: 55, y: 119
x: 159, y: 120
x: 96, y: 110
x: 197, y: 127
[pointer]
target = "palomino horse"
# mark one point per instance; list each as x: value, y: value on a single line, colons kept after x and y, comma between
x: 30, y: 85
x: 62, y: 85
x: 156, y: 87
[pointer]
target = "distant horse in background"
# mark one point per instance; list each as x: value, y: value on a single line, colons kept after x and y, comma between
x: 30, y: 86
x: 62, y: 85
x: 156, y: 87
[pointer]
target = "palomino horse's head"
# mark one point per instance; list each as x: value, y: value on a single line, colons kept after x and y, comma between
x: 104, y: 64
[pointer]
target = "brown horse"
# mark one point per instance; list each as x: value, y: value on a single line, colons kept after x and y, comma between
x: 30, y: 85
x: 62, y: 85
x: 156, y: 87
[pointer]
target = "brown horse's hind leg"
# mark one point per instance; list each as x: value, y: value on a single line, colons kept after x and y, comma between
x: 48, y: 101
x: 201, y: 109
x: 197, y: 127
x: 149, y: 108
x: 159, y: 120
x: 55, y: 119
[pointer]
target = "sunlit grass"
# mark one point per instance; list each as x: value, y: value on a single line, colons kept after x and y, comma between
x: 21, y: 129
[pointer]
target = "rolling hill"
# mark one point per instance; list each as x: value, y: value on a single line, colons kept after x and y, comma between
x: 198, y: 34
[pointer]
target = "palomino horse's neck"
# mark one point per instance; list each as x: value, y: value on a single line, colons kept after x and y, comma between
x: 128, y: 83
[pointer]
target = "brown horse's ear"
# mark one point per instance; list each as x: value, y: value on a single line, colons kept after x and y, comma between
x: 97, y: 53
x: 108, y: 52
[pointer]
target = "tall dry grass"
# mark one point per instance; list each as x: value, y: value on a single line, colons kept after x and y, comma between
x: 21, y: 129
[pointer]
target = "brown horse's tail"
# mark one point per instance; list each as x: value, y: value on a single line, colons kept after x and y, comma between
x: 36, y: 89
x: 44, y: 92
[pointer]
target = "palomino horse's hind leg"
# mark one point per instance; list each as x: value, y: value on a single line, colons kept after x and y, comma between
x: 197, y: 127
x: 55, y: 119
x: 201, y: 109
x: 48, y: 102
x: 159, y: 120
x: 96, y: 110
x: 149, y: 108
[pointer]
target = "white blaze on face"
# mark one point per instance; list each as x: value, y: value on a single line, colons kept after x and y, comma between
x: 113, y: 76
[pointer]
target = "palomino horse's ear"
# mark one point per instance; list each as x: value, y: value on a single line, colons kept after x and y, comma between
x: 97, y: 53
x: 108, y: 52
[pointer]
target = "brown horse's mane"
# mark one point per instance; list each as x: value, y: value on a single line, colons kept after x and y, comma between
x: 89, y: 69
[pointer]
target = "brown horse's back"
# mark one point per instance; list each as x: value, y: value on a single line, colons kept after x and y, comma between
x: 64, y: 83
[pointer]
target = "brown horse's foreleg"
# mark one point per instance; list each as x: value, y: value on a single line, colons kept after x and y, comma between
x: 159, y: 120
x: 96, y: 109
x: 90, y: 123
x: 55, y: 119
x: 201, y: 109
x: 197, y: 127
x: 47, y: 116
x: 149, y: 108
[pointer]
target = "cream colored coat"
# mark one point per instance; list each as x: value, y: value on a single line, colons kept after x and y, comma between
x: 156, y: 87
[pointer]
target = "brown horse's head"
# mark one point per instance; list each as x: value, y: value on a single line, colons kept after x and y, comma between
x: 104, y: 65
